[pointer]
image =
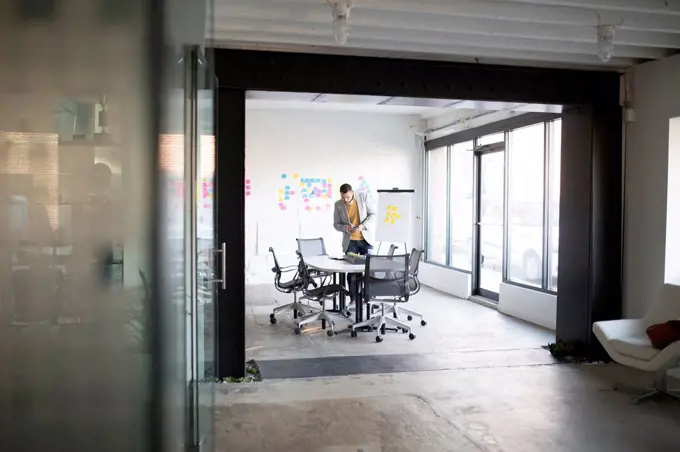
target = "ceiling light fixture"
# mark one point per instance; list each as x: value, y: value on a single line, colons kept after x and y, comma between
x: 340, y: 16
x: 605, y: 42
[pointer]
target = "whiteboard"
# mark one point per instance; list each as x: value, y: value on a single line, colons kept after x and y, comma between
x: 394, y: 216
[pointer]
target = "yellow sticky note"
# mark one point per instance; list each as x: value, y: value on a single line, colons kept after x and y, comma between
x: 391, y: 221
x: 302, y: 184
x: 330, y: 179
x: 389, y: 207
x: 397, y: 216
x: 280, y: 199
x: 296, y: 176
x: 280, y: 192
x: 387, y: 220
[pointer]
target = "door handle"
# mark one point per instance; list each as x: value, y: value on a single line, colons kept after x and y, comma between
x: 222, y: 250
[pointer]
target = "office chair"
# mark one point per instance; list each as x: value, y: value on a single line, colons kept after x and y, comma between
x: 386, y: 281
x: 312, y: 247
x: 372, y: 306
x: 322, y: 294
x: 414, y: 288
x: 292, y: 285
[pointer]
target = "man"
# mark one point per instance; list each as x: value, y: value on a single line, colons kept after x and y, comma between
x: 355, y: 218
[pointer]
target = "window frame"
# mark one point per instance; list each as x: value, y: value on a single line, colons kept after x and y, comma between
x: 546, y: 260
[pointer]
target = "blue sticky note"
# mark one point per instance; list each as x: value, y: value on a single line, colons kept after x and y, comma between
x: 317, y: 180
x: 324, y: 190
x: 283, y: 175
x: 309, y: 184
x: 286, y: 198
x: 304, y: 179
x: 304, y: 190
x: 287, y: 187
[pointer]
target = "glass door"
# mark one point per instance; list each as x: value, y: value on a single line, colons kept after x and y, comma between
x: 489, y: 255
x: 208, y: 253
x: 205, y: 256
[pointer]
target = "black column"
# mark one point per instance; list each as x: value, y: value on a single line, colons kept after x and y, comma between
x: 590, y: 257
x: 230, y: 211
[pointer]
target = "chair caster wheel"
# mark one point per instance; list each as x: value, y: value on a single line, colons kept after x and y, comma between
x: 271, y: 316
x: 409, y: 318
x: 423, y: 323
x: 404, y: 330
x: 297, y: 330
x: 353, y: 334
x: 411, y: 336
x: 330, y: 333
x: 347, y: 314
x: 272, y: 320
x: 378, y: 339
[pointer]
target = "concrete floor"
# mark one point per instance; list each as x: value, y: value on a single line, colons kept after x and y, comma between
x: 505, y: 394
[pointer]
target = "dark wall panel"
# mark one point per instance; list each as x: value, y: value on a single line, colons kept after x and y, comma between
x: 590, y: 258
x: 230, y: 170
x: 313, y: 73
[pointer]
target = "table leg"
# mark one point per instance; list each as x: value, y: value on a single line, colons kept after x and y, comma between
x: 335, y: 298
x: 343, y: 299
x: 358, y: 298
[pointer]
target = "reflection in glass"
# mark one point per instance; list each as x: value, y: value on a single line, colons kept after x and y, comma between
x: 554, y: 156
x: 525, y: 204
x: 462, y: 220
x: 491, y: 221
x: 491, y: 139
x: 436, y: 206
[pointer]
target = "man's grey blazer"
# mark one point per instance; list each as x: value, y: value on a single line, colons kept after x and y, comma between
x: 366, y: 218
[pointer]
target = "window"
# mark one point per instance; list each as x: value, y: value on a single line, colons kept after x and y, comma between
x: 436, y: 205
x: 461, y: 199
x: 525, y: 205
x: 491, y: 139
x: 554, y: 159
x: 494, y: 202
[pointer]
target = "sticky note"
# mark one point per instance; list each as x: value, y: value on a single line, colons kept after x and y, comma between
x: 306, y: 199
x: 281, y: 191
x: 280, y: 199
x: 309, y: 184
x: 247, y: 181
x: 287, y: 198
x: 387, y: 220
x: 247, y: 193
x: 391, y: 221
x: 292, y: 192
x: 295, y: 176
x: 287, y: 187
x: 361, y: 177
x: 318, y: 207
x: 283, y: 175
x: 330, y: 179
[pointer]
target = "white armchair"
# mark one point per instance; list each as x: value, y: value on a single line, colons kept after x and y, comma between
x: 627, y: 343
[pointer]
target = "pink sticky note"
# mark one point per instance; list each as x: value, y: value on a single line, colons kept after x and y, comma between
x: 247, y: 193
x: 318, y: 208
x: 292, y: 192
x: 248, y: 181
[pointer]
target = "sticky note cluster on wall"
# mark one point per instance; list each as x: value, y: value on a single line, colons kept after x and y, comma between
x: 248, y: 191
x: 392, y: 214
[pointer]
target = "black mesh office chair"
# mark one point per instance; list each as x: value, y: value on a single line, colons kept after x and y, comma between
x: 386, y: 281
x: 414, y: 287
x: 313, y: 247
x: 321, y: 293
x: 292, y: 284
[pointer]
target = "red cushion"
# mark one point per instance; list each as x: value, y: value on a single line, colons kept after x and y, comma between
x: 664, y: 334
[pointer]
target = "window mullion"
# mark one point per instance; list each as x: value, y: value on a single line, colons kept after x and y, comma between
x: 545, y: 259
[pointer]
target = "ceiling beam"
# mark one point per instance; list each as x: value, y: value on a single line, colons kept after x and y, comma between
x: 642, y: 6
x: 288, y: 42
x: 507, y: 10
x: 309, y: 17
x: 454, y: 39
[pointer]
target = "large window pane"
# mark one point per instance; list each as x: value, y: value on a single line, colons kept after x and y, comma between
x: 554, y: 157
x: 461, y: 205
x: 491, y: 221
x: 436, y: 205
x: 525, y: 205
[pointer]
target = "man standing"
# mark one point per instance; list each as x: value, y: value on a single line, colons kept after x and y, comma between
x: 355, y: 218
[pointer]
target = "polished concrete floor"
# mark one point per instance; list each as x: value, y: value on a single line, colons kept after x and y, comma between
x: 503, y: 394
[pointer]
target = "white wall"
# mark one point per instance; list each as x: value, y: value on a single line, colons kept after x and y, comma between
x: 445, y: 279
x: 533, y: 306
x: 380, y: 150
x: 656, y: 99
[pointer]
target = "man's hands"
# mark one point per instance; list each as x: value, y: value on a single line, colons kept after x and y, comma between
x: 350, y: 228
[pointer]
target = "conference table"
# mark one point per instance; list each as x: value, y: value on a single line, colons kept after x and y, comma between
x: 340, y: 268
